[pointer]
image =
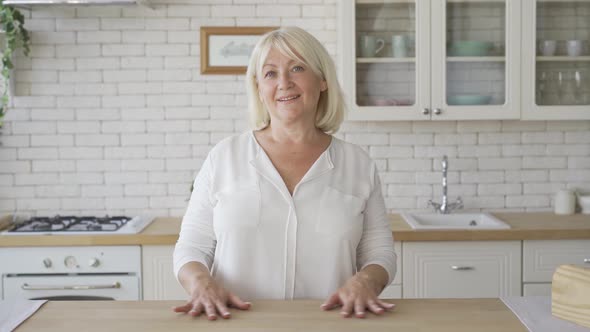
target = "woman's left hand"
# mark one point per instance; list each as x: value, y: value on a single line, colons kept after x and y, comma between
x: 358, y: 294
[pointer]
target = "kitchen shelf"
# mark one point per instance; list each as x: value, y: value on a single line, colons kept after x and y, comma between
x: 476, y: 59
x: 385, y: 60
x: 563, y: 58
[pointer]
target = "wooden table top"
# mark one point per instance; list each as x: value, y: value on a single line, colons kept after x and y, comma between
x: 524, y: 226
x: 442, y: 315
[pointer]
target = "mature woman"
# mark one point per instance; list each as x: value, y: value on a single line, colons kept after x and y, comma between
x: 287, y: 211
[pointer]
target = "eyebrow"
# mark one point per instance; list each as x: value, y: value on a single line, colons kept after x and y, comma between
x: 273, y: 65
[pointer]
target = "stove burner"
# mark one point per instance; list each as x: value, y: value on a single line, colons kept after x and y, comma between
x: 71, y: 224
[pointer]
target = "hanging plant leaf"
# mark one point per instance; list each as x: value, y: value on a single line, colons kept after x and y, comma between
x: 15, y: 37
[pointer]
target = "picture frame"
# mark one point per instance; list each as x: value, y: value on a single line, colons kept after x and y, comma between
x: 226, y: 50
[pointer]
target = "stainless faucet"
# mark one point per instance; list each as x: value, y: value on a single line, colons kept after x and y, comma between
x: 445, y: 207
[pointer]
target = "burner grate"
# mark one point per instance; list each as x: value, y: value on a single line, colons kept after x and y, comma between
x: 71, y: 224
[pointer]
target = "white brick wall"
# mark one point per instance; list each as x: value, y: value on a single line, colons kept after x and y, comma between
x: 113, y: 116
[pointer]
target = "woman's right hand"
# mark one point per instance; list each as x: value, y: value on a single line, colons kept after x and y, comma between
x: 209, y: 297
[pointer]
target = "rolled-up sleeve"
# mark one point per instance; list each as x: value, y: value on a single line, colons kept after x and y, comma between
x: 376, y: 244
x: 196, y: 242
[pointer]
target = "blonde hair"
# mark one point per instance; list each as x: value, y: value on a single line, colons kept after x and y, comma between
x: 298, y: 45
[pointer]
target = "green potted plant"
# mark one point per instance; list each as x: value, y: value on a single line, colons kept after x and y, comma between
x: 15, y: 36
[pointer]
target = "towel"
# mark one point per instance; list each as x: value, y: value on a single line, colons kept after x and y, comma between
x: 14, y: 312
x: 535, y: 313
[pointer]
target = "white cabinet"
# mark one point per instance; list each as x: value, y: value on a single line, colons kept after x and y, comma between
x: 461, y: 269
x: 556, y: 60
x: 159, y: 282
x: 431, y: 59
x: 394, y: 291
x: 542, y: 257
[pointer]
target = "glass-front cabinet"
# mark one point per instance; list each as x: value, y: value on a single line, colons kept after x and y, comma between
x: 556, y: 60
x: 431, y: 59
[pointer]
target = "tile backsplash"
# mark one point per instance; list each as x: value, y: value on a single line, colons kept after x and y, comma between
x: 111, y: 115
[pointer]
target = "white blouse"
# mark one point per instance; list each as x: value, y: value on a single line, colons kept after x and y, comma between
x: 262, y: 243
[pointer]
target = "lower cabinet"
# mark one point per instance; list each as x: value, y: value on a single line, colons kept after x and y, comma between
x: 159, y: 282
x: 461, y: 269
x: 458, y: 269
x: 542, y: 257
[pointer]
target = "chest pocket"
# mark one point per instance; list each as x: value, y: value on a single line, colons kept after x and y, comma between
x: 339, y: 213
x: 237, y: 208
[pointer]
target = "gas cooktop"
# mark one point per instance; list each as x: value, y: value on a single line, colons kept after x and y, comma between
x: 78, y: 225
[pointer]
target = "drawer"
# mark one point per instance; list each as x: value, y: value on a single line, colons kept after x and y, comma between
x: 391, y: 292
x: 543, y: 289
x: 461, y: 269
x: 541, y: 258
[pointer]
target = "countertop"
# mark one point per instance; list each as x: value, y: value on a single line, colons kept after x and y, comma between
x: 443, y: 315
x: 524, y: 226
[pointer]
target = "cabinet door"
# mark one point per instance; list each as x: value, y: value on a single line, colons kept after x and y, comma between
x: 461, y: 269
x: 475, y: 59
x: 391, y: 292
x: 385, y: 55
x: 556, y: 60
x: 541, y: 258
x: 159, y: 282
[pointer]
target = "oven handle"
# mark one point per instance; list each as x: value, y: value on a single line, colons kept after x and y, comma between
x: 26, y: 286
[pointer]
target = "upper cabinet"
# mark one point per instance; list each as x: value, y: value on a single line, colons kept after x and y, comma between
x: 556, y: 60
x: 431, y: 59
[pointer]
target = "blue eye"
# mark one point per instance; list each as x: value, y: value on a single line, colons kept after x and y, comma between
x: 269, y: 74
x: 298, y: 68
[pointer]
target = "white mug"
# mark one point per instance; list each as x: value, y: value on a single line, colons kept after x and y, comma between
x: 370, y: 46
x: 565, y: 202
x: 574, y: 47
x: 399, y: 45
x: 548, y: 47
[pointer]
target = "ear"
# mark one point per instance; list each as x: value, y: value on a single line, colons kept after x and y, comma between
x: 323, y: 86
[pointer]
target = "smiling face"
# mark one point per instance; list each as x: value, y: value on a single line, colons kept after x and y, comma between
x: 289, y: 89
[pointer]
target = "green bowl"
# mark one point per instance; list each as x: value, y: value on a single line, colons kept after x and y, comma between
x: 469, y: 99
x: 470, y: 48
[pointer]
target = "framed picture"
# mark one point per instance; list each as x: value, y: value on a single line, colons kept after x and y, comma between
x: 226, y: 50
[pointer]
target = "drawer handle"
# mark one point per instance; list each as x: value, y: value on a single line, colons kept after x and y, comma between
x: 587, y: 260
x: 461, y: 268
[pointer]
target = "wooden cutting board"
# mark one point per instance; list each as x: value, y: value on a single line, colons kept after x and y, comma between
x: 570, y: 294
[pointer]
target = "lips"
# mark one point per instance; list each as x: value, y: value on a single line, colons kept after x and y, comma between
x: 288, y: 98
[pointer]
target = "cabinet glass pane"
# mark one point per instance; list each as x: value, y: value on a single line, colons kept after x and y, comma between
x: 476, y: 55
x: 562, y: 68
x: 385, y: 53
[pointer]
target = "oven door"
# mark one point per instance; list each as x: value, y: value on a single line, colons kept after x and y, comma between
x: 71, y: 287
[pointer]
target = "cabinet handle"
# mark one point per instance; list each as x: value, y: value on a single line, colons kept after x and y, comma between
x: 426, y: 111
x: 461, y: 268
x: 587, y: 260
x: 437, y: 111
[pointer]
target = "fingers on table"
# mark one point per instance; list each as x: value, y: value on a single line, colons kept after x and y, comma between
x: 210, y: 310
x: 346, y: 308
x: 375, y: 308
x: 235, y: 301
x: 385, y: 305
x: 332, y: 302
x: 183, y: 308
x: 222, y: 309
x: 197, y: 310
x: 359, y: 308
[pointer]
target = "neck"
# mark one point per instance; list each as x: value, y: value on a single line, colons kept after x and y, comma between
x: 297, y: 135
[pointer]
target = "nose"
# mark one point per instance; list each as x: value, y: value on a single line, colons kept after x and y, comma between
x: 284, y: 81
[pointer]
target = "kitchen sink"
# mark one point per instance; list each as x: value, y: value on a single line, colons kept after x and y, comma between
x: 430, y: 221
